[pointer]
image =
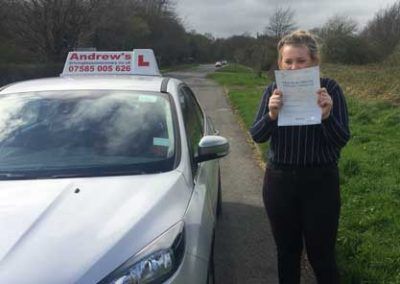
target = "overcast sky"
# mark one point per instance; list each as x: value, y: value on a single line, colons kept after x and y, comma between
x: 224, y: 18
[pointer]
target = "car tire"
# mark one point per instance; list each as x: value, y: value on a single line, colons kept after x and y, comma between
x: 219, y: 200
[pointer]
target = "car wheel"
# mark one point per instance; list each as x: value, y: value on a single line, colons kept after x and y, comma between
x: 219, y: 200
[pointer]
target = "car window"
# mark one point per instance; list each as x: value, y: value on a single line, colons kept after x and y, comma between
x: 194, y: 121
x: 195, y: 106
x: 88, y: 133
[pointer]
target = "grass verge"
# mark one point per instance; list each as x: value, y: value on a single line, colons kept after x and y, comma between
x: 368, y: 241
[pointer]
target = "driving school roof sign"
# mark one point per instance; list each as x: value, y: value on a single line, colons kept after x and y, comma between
x: 138, y: 62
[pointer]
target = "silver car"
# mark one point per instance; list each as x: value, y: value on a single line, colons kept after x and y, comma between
x: 107, y: 179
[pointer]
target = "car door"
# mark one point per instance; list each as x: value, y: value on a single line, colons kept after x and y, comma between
x: 205, y: 174
x: 197, y: 125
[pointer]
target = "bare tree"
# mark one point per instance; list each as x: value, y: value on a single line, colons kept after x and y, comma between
x: 8, y: 12
x: 49, y: 28
x: 118, y: 25
x: 339, y: 25
x: 3, y: 15
x: 280, y: 23
x: 341, y: 43
x: 155, y: 7
x: 45, y: 30
x: 384, y: 30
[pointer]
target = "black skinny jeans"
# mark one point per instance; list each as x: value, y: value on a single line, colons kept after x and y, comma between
x: 304, y: 203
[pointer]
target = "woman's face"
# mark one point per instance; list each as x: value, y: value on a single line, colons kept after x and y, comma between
x: 295, y: 57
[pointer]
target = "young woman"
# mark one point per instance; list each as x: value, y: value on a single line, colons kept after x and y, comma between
x: 301, y: 184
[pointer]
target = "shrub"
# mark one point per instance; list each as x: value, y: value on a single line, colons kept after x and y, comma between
x: 12, y: 72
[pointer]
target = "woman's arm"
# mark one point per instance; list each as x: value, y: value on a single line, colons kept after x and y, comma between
x: 336, y: 127
x: 263, y: 125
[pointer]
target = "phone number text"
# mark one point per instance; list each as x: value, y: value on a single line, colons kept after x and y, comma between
x: 99, y: 68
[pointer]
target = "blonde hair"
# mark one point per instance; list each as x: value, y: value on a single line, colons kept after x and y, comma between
x: 300, y: 37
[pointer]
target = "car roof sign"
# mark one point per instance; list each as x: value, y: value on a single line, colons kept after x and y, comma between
x: 136, y: 62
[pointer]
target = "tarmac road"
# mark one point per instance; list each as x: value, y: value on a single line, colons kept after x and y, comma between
x: 244, y: 248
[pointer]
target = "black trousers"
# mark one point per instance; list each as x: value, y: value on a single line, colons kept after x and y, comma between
x: 304, y: 204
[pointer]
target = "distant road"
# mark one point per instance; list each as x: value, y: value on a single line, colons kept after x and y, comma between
x: 244, y: 248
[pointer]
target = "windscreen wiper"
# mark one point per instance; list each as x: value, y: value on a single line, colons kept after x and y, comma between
x: 97, y: 174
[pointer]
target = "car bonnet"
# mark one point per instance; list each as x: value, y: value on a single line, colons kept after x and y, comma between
x: 54, y: 231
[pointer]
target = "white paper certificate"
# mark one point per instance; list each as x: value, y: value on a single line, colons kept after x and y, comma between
x: 299, y: 88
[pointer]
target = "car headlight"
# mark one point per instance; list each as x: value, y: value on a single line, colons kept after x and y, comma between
x: 155, y: 263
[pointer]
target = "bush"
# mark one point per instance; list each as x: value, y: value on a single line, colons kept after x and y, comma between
x: 12, y: 72
x: 347, y: 49
x: 342, y: 44
x: 394, y: 58
x: 383, y: 31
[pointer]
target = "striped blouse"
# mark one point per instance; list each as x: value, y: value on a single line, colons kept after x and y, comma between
x: 309, y: 145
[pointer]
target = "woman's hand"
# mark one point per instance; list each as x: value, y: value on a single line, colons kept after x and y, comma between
x: 324, y: 102
x: 275, y: 104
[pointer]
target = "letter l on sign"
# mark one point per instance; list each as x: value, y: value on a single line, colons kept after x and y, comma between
x: 144, y: 62
x: 141, y: 61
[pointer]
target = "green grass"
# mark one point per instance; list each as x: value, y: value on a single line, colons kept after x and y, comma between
x: 368, y: 241
x: 371, y: 82
x: 245, y: 89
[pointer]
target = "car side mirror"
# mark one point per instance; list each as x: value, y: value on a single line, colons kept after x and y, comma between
x: 212, y: 147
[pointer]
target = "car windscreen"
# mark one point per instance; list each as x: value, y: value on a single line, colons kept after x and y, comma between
x: 85, y: 133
